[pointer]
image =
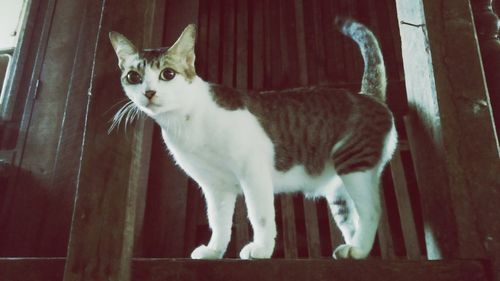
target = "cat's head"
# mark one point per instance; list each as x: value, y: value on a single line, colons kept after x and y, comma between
x: 155, y: 79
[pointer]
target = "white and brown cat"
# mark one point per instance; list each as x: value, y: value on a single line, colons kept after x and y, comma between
x: 321, y: 141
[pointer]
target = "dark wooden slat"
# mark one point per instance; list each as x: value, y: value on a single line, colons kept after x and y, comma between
x: 338, y: 48
x: 113, y: 168
x: 242, y: 44
x: 265, y: 270
x: 268, y: 42
x: 202, y: 39
x: 214, y: 41
x: 310, y: 43
x: 396, y: 40
x: 289, y: 228
x: 276, y: 75
x: 257, y: 49
x: 317, y: 16
x: 104, y: 217
x: 228, y: 46
x: 386, y: 36
x: 301, y: 42
x: 308, y: 270
x: 405, y: 208
x: 288, y: 69
x: 384, y: 234
x: 32, y: 269
x: 312, y: 229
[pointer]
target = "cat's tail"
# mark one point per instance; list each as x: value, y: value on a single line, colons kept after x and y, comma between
x: 374, y: 80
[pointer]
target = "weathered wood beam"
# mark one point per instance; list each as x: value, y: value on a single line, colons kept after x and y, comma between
x: 487, y: 26
x: 457, y: 158
x: 114, y: 166
x: 265, y: 270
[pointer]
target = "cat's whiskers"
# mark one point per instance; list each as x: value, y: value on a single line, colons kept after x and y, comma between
x: 128, y: 111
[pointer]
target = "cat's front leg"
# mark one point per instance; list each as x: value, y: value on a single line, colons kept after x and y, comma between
x: 259, y: 198
x: 220, y: 209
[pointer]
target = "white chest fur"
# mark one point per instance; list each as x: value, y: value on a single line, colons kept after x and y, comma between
x: 212, y: 144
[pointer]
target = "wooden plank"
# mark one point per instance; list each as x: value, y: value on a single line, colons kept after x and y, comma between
x: 242, y: 44
x: 338, y: 48
x: 265, y: 270
x: 445, y: 86
x: 384, y: 234
x: 392, y: 18
x: 103, y: 226
x: 257, y: 48
x: 275, y: 270
x: 347, y: 47
x: 268, y: 41
x: 33, y: 269
x: 287, y: 69
x: 202, y: 39
x: 228, y: 47
x: 319, y: 31
x: 312, y: 229
x: 405, y: 208
x: 310, y: 45
x: 289, y: 228
x: 301, y: 42
x: 275, y: 57
x: 214, y: 41
x: 113, y: 168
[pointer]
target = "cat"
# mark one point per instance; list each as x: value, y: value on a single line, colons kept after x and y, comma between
x: 321, y: 141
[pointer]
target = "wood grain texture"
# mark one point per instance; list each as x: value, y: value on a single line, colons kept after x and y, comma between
x: 112, y: 169
x: 452, y: 164
x: 405, y: 207
x: 265, y: 270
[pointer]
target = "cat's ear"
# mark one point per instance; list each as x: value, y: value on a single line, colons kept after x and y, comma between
x: 184, y: 46
x: 122, y: 46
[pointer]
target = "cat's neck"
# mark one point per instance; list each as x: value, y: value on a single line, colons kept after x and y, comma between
x: 198, y: 92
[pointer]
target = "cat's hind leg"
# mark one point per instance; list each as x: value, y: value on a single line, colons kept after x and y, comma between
x: 343, y: 211
x: 363, y: 188
x: 220, y: 209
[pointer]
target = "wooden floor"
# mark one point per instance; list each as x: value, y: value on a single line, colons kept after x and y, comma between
x: 40, y: 269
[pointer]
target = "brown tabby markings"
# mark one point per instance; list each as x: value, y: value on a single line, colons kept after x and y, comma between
x: 161, y: 58
x: 304, y: 124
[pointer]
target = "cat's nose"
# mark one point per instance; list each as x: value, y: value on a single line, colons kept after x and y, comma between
x: 149, y: 94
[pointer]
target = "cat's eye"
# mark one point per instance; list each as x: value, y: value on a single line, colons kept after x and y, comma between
x: 167, y: 74
x: 133, y: 77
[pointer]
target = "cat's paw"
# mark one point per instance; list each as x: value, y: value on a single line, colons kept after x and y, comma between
x: 256, y: 251
x: 349, y: 252
x: 205, y: 253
